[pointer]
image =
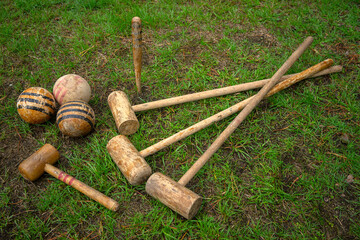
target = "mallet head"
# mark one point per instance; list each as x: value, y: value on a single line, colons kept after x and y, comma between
x: 172, y: 194
x: 33, y: 167
x: 134, y: 167
x: 125, y: 118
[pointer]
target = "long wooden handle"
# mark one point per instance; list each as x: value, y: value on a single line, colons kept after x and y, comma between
x: 244, y: 113
x: 237, y: 107
x: 137, y: 50
x: 82, y: 187
x: 215, y: 92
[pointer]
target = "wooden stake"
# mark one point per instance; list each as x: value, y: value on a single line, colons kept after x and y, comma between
x: 137, y: 50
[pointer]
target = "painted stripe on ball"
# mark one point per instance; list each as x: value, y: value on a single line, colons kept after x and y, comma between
x: 75, y: 116
x: 77, y: 101
x: 35, y: 101
x: 34, y: 108
x: 71, y: 104
x: 75, y: 110
x: 56, y: 92
x: 37, y: 95
x: 61, y: 98
x: 60, y: 93
x: 74, y: 102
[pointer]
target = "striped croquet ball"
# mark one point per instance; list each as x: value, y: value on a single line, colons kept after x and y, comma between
x: 71, y: 87
x: 36, y: 105
x: 75, y: 118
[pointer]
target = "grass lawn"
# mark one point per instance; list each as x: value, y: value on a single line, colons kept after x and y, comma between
x: 290, y: 171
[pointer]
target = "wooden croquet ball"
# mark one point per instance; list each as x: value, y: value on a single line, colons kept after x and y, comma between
x: 75, y: 118
x: 71, y: 87
x: 36, y: 105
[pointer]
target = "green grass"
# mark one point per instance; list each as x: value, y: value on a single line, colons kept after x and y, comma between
x: 281, y: 175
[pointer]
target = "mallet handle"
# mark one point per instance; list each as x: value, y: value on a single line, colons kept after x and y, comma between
x: 82, y: 187
x: 244, y: 113
x: 137, y: 51
x: 215, y: 92
x: 237, y: 107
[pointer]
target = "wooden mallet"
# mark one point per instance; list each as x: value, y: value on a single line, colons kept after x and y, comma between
x: 137, y: 50
x: 41, y: 161
x: 127, y: 122
x: 174, y: 194
x: 132, y: 163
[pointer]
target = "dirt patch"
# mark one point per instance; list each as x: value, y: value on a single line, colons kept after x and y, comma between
x: 336, y: 211
x: 262, y: 36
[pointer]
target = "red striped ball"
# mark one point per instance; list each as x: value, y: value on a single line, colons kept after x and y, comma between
x: 71, y: 87
x: 75, y: 119
x: 36, y: 105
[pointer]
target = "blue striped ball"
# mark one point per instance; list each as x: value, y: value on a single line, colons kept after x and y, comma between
x: 36, y: 105
x: 75, y: 118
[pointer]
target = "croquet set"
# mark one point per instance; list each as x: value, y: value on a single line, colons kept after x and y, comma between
x: 76, y: 118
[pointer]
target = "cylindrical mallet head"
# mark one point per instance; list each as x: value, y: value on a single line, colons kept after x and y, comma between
x: 75, y: 119
x: 33, y: 167
x: 36, y: 105
x: 134, y: 167
x: 125, y: 118
x: 71, y: 87
x: 172, y: 194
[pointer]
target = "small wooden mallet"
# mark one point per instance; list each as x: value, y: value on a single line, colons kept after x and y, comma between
x: 174, y: 194
x: 132, y: 163
x: 127, y: 122
x: 41, y: 161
